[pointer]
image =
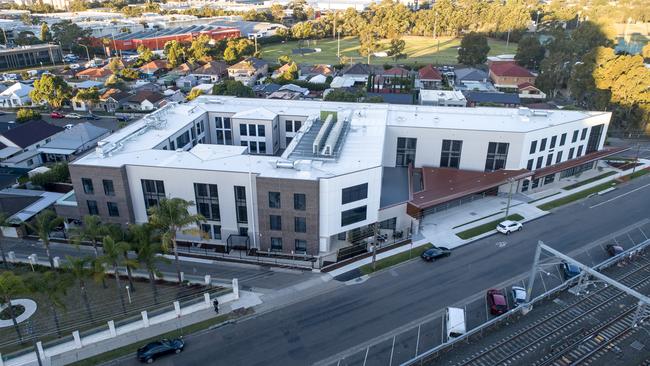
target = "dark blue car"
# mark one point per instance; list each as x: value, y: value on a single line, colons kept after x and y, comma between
x: 570, y: 270
x: 153, y: 350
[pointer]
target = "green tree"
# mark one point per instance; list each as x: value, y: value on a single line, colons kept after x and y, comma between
x: 129, y: 74
x: 175, y: 53
x: 194, y: 93
x: 26, y: 38
x: 646, y: 51
x: 10, y: 287
x: 46, y: 35
x: 277, y: 12
x: 473, y: 49
x: 78, y: 5
x: 120, y: 236
x: 52, y: 90
x: 148, y: 250
x: 338, y: 95
x: 54, y: 286
x: 396, y: 49
x: 232, y: 87
x: 284, y: 59
x: 80, y: 270
x: 44, y: 223
x: 68, y: 33
x: 145, y: 54
x: 171, y: 216
x: 26, y: 114
x: 89, y: 96
x: 114, y: 258
x: 114, y: 81
x: 368, y: 43
x: 530, y: 52
x: 92, y: 230
x: 114, y: 65
x: 298, y: 9
x: 200, y: 49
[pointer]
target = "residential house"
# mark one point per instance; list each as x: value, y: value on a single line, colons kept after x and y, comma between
x: 112, y: 100
x: 530, y: 91
x: 428, y: 78
x: 289, y: 91
x: 469, y: 78
x: 94, y: 73
x: 176, y: 95
x: 442, y: 98
x: 20, y: 205
x: 249, y: 70
x: 169, y: 79
x: 72, y: 142
x: 359, y: 73
x: 16, y: 95
x: 185, y: 68
x: 392, y: 80
x: 19, y: 145
x: 491, y: 99
x: 154, y: 68
x: 508, y: 75
x: 211, y: 72
x: 187, y: 82
x: 142, y: 85
x: 281, y: 70
x: 145, y: 101
x: 264, y: 90
x: 309, y: 71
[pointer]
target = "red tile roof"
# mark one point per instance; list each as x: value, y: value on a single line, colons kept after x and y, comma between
x: 95, y: 73
x: 588, y: 158
x: 526, y: 85
x: 154, y: 65
x: 429, y: 73
x: 396, y: 71
x: 509, y: 69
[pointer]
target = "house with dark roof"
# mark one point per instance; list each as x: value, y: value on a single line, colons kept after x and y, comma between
x: 360, y: 72
x: 264, y: 90
x: 72, y: 142
x: 392, y: 80
x: 154, y: 68
x: 19, y: 145
x: 20, y: 205
x: 469, y: 78
x: 249, y: 70
x: 491, y: 99
x: 428, y: 78
x: 144, y: 101
x: 112, y: 100
x: 508, y: 75
x: 211, y: 72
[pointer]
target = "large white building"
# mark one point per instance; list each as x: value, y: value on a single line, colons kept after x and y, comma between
x: 319, y: 175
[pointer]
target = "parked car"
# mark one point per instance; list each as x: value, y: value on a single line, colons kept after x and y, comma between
x: 434, y: 253
x: 509, y: 226
x: 56, y: 115
x: 75, y: 66
x: 91, y: 116
x: 73, y: 115
x: 518, y: 295
x: 123, y: 118
x: 614, y: 250
x: 497, y: 302
x: 570, y: 270
x: 68, y: 126
x: 149, y: 352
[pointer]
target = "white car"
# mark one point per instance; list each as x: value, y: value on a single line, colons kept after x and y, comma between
x: 68, y: 126
x: 73, y: 115
x: 508, y: 226
x: 518, y: 295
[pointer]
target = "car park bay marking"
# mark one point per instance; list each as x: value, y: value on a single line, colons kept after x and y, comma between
x: 619, y: 196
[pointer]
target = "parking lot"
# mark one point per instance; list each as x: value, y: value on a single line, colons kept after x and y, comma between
x: 405, y: 343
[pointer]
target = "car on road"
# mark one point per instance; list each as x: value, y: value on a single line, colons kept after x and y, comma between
x: 518, y: 295
x: 613, y: 250
x: 123, y: 118
x: 434, y: 253
x: 496, y: 300
x: 57, y: 115
x: 68, y: 126
x: 73, y: 115
x: 570, y: 270
x: 149, y: 352
x: 509, y: 226
x: 91, y: 116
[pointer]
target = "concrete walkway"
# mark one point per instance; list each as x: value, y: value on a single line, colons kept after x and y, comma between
x: 30, y: 308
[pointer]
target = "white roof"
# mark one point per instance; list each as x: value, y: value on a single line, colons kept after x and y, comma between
x: 342, y: 82
x: 257, y: 113
x: 19, y: 89
x: 437, y: 95
x: 318, y: 79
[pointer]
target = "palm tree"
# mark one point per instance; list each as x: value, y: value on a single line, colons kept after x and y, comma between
x: 92, y: 230
x: 3, y: 221
x: 43, y: 224
x: 54, y: 286
x: 147, y: 251
x: 80, y: 269
x: 114, y: 257
x: 10, y: 286
x: 118, y: 235
x: 170, y: 216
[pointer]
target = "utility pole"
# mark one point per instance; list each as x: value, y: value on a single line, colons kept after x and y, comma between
x: 512, y: 181
x: 508, y: 39
x: 636, y: 160
x: 338, y: 45
x: 537, y: 22
x: 375, y: 230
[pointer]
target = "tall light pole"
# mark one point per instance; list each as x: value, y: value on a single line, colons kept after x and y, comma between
x: 87, y: 53
x: 512, y: 181
x: 338, y: 44
x: 537, y: 21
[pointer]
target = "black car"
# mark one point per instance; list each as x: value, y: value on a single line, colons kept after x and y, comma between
x: 91, y: 116
x: 435, y: 253
x: 614, y: 250
x: 153, y: 350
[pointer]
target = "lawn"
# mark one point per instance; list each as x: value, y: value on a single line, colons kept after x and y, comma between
x: 587, y: 181
x: 487, y: 227
x: 420, y: 50
x: 576, y: 196
x: 395, y: 259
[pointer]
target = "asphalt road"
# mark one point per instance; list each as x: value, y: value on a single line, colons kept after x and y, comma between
x: 324, y: 325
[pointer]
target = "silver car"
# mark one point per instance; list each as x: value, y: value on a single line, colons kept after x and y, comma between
x: 518, y: 295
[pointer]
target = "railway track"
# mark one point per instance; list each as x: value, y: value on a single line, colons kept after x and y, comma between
x: 564, y: 325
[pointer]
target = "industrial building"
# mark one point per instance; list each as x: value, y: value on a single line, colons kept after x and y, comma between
x: 29, y: 56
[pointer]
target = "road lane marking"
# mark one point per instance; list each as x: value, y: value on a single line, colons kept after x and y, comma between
x: 365, y: 358
x: 619, y: 196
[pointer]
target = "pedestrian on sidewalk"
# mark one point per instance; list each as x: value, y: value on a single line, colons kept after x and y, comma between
x: 216, y: 306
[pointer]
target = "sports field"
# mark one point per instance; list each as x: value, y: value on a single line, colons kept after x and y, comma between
x: 421, y: 50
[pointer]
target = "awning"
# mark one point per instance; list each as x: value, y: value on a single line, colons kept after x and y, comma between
x: 591, y: 157
x: 58, y: 151
x: 446, y: 184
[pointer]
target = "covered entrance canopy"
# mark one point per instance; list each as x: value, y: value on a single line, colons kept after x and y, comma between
x: 585, y: 159
x: 441, y: 185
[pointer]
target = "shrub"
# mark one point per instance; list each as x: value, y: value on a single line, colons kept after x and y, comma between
x: 24, y: 115
x: 58, y: 173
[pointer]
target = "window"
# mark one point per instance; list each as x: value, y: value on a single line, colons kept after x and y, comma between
x: 261, y: 130
x: 533, y: 147
x: 583, y: 134
x: 211, y: 231
x: 274, y: 200
x: 549, y: 179
x: 579, y: 154
x: 288, y: 126
x: 300, y: 224
x: 88, y: 185
x: 450, y: 155
x: 301, y: 246
x: 183, y: 139
x: 287, y: 140
x: 405, y: 151
x: 109, y: 190
x: 558, y: 158
x: 224, y: 134
x: 549, y: 159
x: 218, y: 121
x: 240, y: 204
x: 172, y: 146
x: 354, y: 193
x: 216, y: 232
x: 92, y: 207
x: 251, y: 130
x: 296, y: 125
x: 113, y: 211
x: 299, y: 201
x: 153, y: 191
x: 226, y: 122
x: 571, y: 153
x: 261, y: 147
x: 389, y: 224
x: 594, y: 138
x: 562, y: 139
x: 540, y: 161
x: 242, y: 130
x: 553, y: 141
x: 275, y: 222
x: 252, y: 147
x: 276, y: 244
x: 529, y: 166
x: 351, y: 216
x: 207, y: 200
x: 496, y: 156
x: 30, y: 162
x: 575, y: 136
x: 542, y: 145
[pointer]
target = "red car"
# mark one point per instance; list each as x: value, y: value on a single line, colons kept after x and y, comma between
x: 57, y: 115
x: 497, y: 301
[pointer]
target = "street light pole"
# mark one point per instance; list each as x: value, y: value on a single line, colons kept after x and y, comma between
x: 636, y: 159
x: 512, y: 181
x: 87, y: 53
x: 537, y: 21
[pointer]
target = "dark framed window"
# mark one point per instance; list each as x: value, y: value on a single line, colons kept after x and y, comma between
x: 549, y: 179
x: 274, y: 200
x: 553, y: 142
x: 354, y: 215
x: 242, y: 130
x: 450, y: 154
x: 529, y: 166
x: 549, y: 159
x: 355, y: 193
x: 583, y: 134
x: 109, y: 190
x: 299, y: 201
x: 276, y: 244
x: 540, y: 161
x: 183, y: 139
x: 211, y: 231
x: 300, y: 224
x: 216, y: 232
x: 288, y: 126
x: 301, y: 246
x: 275, y: 222
x: 525, y: 184
x: 571, y: 150
x: 92, y: 207
x: 226, y: 122
x: 261, y: 148
x: 563, y: 139
x: 218, y: 121
x: 579, y: 154
x: 405, y: 151
x: 207, y: 200
x: 558, y: 157
x: 497, y: 156
x: 296, y: 125
x: 252, y: 130
x: 261, y: 130
x: 172, y: 145
x: 533, y: 147
x: 88, y: 185
x: 113, y: 211
x: 575, y: 136
x: 153, y: 191
x: 594, y: 138
x: 389, y: 224
x: 287, y: 140
x: 240, y: 204
x: 542, y: 145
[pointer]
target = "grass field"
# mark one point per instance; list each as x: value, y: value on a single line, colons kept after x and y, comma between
x: 482, y: 229
x: 421, y: 50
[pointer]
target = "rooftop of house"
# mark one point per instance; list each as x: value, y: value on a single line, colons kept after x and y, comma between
x: 154, y: 65
x: 19, y: 89
x: 114, y: 93
x: 22, y: 204
x: 212, y: 68
x: 250, y: 63
x: 143, y: 95
x: 94, y: 72
x: 509, y: 69
x: 30, y: 133
x: 429, y: 73
x: 70, y: 140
